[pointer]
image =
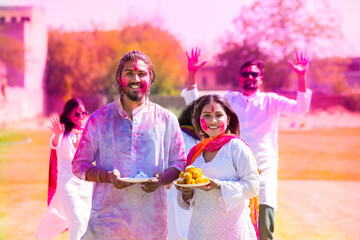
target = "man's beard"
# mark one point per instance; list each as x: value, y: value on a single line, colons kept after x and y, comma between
x: 133, y: 96
x: 250, y: 85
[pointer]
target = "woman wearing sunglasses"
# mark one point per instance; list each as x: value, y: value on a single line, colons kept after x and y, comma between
x: 70, y: 206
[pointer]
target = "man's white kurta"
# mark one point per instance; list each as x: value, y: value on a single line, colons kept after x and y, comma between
x: 153, y: 142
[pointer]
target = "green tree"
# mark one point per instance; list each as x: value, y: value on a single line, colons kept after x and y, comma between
x: 230, y: 60
x: 85, y: 63
x: 278, y: 28
x: 78, y: 62
x: 165, y: 51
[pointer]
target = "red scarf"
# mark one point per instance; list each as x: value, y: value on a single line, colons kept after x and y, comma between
x: 52, y: 175
x: 209, y: 144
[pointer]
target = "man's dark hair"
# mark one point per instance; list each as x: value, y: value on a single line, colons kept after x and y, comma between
x: 260, y: 64
x: 132, y: 56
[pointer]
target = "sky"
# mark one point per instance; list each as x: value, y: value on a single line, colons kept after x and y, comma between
x: 196, y: 23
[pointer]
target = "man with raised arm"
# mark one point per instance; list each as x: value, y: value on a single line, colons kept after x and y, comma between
x: 258, y: 113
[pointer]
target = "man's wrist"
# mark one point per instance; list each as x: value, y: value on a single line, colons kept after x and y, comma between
x: 191, y: 85
x: 108, y: 178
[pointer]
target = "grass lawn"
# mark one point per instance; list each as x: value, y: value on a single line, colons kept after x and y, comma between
x: 331, y: 154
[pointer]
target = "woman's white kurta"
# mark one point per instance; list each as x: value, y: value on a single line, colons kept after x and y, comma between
x: 225, y: 213
x: 71, y: 204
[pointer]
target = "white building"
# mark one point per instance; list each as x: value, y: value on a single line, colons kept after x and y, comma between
x: 24, y: 91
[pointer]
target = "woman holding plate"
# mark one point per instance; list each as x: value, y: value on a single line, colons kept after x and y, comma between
x: 220, y: 210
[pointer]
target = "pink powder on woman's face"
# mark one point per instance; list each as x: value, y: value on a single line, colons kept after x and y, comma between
x: 203, y: 124
x: 223, y: 127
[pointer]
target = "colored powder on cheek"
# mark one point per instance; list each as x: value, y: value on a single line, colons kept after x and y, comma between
x: 123, y: 82
x: 144, y: 87
x: 223, y: 127
x: 203, y: 124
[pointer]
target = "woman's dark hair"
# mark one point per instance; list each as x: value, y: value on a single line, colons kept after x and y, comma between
x: 185, y: 117
x: 234, y: 125
x: 69, y: 106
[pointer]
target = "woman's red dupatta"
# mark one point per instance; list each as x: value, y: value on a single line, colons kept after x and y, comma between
x: 52, y: 175
x: 209, y: 144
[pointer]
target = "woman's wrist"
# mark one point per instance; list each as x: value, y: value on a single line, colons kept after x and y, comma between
x: 187, y: 195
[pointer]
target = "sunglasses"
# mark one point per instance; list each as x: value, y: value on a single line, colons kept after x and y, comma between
x: 247, y: 74
x: 77, y: 114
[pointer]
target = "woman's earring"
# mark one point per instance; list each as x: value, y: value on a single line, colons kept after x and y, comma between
x: 201, y: 132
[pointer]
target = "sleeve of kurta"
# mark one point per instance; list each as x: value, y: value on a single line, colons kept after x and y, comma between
x: 183, y: 204
x: 190, y: 95
x: 291, y: 107
x: 177, y: 157
x: 234, y: 192
x: 87, y: 150
x: 51, y: 141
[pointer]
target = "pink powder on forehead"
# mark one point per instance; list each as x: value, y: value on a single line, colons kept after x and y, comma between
x: 203, y: 124
x: 212, y: 108
x: 136, y: 65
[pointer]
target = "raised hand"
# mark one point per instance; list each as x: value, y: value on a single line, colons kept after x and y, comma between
x: 302, y: 62
x: 56, y: 126
x: 193, y: 60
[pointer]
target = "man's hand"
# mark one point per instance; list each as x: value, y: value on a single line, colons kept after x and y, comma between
x: 152, y: 184
x: 115, y: 180
x: 302, y: 63
x: 193, y: 60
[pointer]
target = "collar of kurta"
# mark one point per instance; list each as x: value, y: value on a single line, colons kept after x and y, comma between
x: 135, y: 111
x: 252, y: 96
x: 209, y: 144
